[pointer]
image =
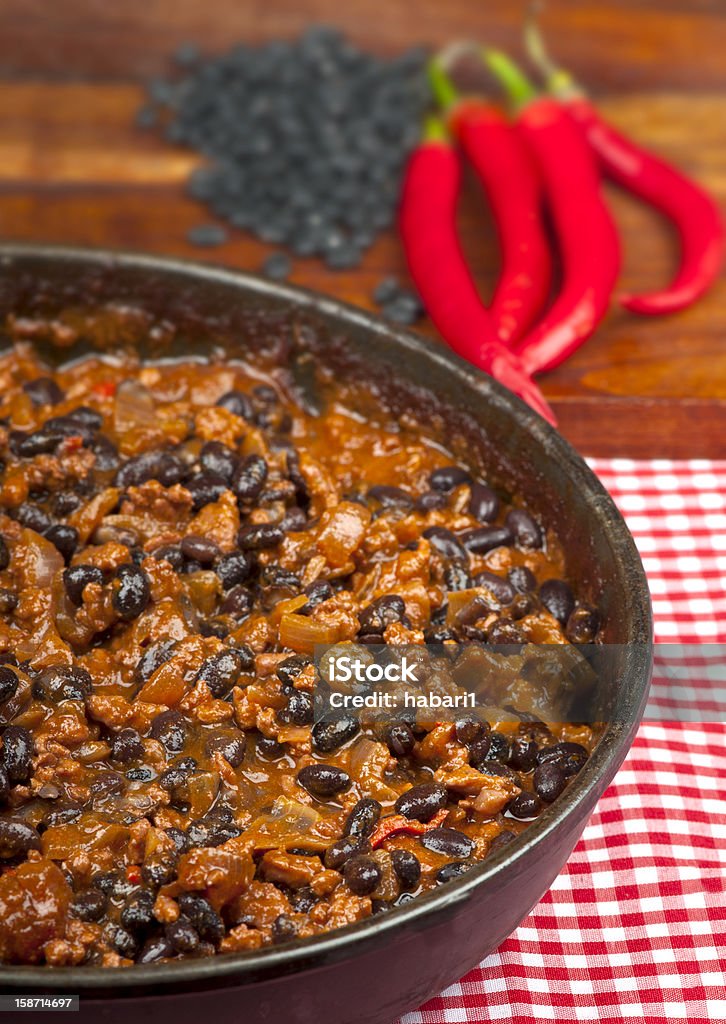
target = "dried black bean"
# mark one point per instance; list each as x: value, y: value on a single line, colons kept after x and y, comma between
x: 331, y: 733
x: 483, y: 503
x: 257, y: 536
x: 362, y: 875
x: 17, y: 753
x: 220, y: 671
x: 362, y: 819
x: 526, y: 531
x: 407, y: 867
x: 449, y: 477
x: 17, y: 838
x: 277, y: 266
x: 549, y: 781
x: 422, y: 802
x: 207, y: 235
x: 65, y: 538
x: 558, y: 599
x: 449, y: 842
x: 132, y: 593
x: 249, y: 478
x: 446, y: 543
x: 482, y: 539
x: 323, y: 780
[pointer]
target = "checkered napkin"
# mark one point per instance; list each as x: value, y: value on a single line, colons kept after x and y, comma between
x: 634, y: 929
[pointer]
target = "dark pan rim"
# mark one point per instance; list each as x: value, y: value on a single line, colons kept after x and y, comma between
x: 346, y: 942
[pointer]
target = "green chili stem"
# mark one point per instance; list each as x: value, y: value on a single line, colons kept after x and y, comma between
x: 442, y: 86
x: 515, y: 83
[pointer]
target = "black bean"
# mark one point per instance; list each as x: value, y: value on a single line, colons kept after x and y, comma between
x: 422, y: 802
x: 221, y: 671
x: 249, y: 478
x: 132, y: 593
x: 89, y: 905
x: 4, y: 554
x: 452, y: 870
x: 207, y: 235
x: 504, y: 631
x: 126, y: 746
x: 431, y: 500
x: 107, y: 784
x: 65, y: 538
x: 382, y: 612
x: 449, y: 842
x: 583, y: 625
x: 137, y: 915
x: 525, y: 529
x: 159, y: 465
x: 277, y: 266
x: 558, y: 599
x: 446, y: 543
x: 522, y: 579
x: 181, y: 935
x: 390, y: 497
x: 154, y: 949
x: 269, y: 749
x: 8, y: 601
x: 316, y: 593
x: 501, y: 588
x: 362, y: 819
x: 257, y: 536
x: 400, y: 739
x: 549, y: 781
x: 570, y: 757
x: 16, y: 838
x: 470, y: 730
x: 298, y: 710
x: 233, y: 569
x: 340, y: 851
x: 449, y: 477
x: 8, y: 683
x: 288, y: 670
x: 237, y: 603
x: 482, y: 539
x: 284, y: 929
x: 525, y: 806
x: 503, y: 839
x: 4, y: 785
x: 90, y: 418
x: 205, y: 919
x: 457, y: 577
x: 362, y: 875
x: 479, y: 750
x: 152, y: 659
x: 238, y: 403
x: 331, y: 733
x: 33, y: 517
x: 17, y: 753
x: 43, y: 391
x: 483, y: 503
x: 386, y: 289
x: 122, y: 941
x: 107, y: 457
x: 523, y: 754
x: 407, y: 867
x: 230, y: 745
x: 205, y: 488
x: 201, y: 549
x: 212, y: 832
x: 62, y: 682
x: 217, y: 458
x: 404, y: 308
x: 323, y: 780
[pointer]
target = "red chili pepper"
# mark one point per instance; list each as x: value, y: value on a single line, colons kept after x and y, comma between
x: 397, y: 824
x: 440, y: 271
x: 586, y: 232
x: 105, y: 388
x: 692, y: 211
x: 508, y: 176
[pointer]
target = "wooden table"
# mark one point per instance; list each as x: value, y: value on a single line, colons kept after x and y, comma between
x: 74, y: 170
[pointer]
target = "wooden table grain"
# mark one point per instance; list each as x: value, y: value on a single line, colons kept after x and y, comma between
x: 75, y: 170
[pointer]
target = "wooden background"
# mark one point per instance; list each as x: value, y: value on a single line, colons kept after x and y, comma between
x: 74, y: 170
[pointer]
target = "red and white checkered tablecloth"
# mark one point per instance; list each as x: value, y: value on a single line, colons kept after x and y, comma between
x: 634, y: 929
